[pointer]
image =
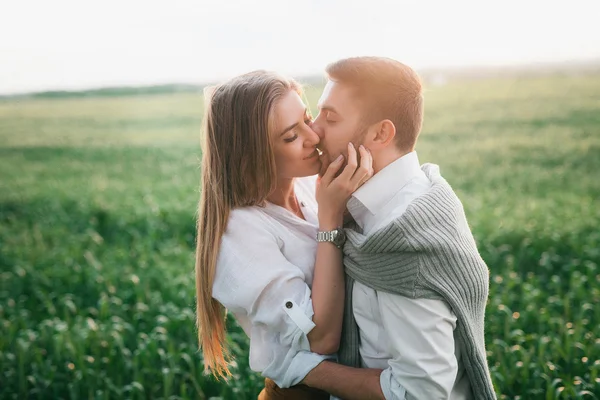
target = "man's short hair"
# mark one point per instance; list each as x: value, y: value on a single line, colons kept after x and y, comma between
x: 387, y: 89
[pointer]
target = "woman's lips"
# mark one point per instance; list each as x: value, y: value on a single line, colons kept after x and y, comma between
x: 313, y: 154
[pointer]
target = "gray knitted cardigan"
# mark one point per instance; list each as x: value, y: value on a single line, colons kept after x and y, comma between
x: 429, y: 253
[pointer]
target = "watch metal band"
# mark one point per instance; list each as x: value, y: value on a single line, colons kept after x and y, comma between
x: 326, y: 236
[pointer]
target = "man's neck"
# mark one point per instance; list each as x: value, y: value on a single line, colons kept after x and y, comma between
x: 386, y: 157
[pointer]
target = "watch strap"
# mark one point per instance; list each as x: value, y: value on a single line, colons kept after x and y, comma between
x: 326, y: 236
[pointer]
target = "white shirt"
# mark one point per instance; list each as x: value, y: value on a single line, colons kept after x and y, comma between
x: 264, y: 277
x: 411, y: 339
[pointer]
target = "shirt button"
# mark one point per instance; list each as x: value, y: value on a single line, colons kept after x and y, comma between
x: 288, y: 304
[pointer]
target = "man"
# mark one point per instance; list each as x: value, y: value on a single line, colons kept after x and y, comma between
x: 416, y: 285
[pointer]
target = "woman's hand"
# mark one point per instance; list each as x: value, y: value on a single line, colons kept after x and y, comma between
x: 334, y: 192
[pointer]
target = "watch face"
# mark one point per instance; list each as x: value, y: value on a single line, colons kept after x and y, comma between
x: 339, y: 237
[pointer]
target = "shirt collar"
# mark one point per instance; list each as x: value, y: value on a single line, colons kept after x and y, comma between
x: 379, y: 190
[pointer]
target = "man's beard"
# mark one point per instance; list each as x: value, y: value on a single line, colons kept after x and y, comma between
x: 357, y: 139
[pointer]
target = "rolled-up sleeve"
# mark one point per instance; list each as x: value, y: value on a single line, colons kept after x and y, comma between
x: 255, y: 280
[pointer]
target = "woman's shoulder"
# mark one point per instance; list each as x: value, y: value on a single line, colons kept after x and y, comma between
x: 241, y: 214
x: 246, y: 229
x: 247, y: 247
x: 251, y: 219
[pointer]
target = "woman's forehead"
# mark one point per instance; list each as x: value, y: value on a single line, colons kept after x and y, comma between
x: 288, y: 110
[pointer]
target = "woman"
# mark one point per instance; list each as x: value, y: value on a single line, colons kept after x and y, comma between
x: 257, y: 253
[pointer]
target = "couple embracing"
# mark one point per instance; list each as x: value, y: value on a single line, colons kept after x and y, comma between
x: 350, y: 266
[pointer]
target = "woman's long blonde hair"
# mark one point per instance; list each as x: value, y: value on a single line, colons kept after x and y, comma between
x: 238, y: 169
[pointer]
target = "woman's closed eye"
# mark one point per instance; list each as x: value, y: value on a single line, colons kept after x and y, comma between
x: 291, y: 139
x: 307, y: 121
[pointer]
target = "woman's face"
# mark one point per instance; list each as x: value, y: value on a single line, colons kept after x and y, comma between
x: 294, y: 140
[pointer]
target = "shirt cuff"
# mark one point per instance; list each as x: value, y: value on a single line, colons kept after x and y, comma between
x: 300, y: 317
x: 390, y: 387
x: 289, y: 368
x: 301, y: 365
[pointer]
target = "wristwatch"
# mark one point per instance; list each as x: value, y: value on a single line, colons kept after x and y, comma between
x: 336, y: 236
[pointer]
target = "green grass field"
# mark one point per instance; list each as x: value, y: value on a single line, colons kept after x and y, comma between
x: 97, y: 224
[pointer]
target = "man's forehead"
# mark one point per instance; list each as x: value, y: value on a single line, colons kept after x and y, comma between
x: 326, y: 93
x: 337, y: 97
x: 333, y: 92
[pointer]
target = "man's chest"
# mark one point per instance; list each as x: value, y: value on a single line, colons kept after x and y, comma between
x: 374, y: 340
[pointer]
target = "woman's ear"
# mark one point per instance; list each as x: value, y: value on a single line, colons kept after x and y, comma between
x: 382, y: 134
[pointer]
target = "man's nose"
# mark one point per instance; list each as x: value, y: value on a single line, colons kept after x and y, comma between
x: 316, y: 126
x: 312, y: 138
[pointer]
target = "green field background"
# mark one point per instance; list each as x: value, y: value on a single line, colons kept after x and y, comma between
x: 98, y: 197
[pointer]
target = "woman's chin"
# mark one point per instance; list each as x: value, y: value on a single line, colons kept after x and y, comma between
x: 316, y: 168
x: 313, y: 169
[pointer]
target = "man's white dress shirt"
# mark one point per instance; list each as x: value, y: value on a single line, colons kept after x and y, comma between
x: 411, y: 339
x: 264, y: 277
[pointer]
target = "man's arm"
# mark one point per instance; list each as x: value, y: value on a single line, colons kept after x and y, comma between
x: 421, y: 334
x: 346, y: 382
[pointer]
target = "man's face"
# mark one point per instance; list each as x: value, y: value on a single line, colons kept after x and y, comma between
x: 338, y: 122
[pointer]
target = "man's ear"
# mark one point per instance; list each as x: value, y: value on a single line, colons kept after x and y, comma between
x: 382, y: 134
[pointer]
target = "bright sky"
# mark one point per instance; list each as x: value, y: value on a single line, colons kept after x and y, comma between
x: 74, y: 44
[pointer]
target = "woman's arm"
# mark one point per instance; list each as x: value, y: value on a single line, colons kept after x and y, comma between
x: 327, y: 296
x: 255, y: 281
x: 328, y: 282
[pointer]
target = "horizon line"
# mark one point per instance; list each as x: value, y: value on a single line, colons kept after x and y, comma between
x: 457, y: 71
